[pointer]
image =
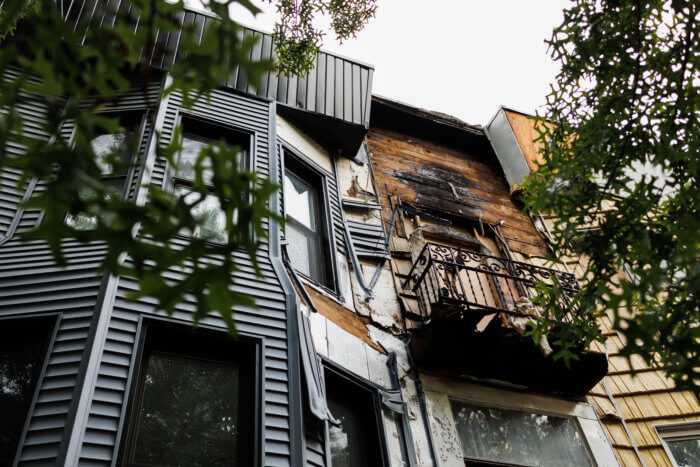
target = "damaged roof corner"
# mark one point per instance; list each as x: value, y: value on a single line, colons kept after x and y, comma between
x: 505, y: 144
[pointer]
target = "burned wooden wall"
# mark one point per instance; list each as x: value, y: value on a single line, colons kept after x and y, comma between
x: 447, y: 168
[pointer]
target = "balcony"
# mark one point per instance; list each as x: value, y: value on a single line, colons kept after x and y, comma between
x: 473, y: 310
x: 450, y: 279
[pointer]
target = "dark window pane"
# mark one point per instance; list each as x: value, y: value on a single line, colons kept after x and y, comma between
x: 356, y: 440
x: 686, y: 452
x: 85, y: 221
x: 521, y: 438
x: 347, y: 444
x: 189, y: 413
x: 21, y: 355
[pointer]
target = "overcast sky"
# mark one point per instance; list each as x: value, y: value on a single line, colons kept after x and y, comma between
x: 461, y: 57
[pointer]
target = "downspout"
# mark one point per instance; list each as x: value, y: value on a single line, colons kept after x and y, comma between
x: 348, y: 241
x: 423, y: 407
x: 404, y: 427
x: 297, y: 453
x: 619, y: 413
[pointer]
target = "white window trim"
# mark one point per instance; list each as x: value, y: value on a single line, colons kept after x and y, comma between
x: 597, y: 444
x: 676, y: 432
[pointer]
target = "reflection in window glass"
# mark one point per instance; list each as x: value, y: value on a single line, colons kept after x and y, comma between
x: 208, y: 213
x: 303, y: 227
x: 191, y: 147
x: 355, y: 441
x: 299, y: 200
x: 686, y: 452
x: 85, y: 221
x: 106, y: 145
x: 521, y: 438
x: 199, y: 135
x: 113, y: 157
x: 347, y: 445
x: 189, y: 413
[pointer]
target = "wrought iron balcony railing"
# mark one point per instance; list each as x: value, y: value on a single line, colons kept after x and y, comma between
x: 450, y: 279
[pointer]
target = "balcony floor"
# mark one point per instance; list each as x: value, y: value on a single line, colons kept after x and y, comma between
x: 499, y: 352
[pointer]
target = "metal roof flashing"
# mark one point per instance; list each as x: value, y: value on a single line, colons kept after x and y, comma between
x: 505, y: 145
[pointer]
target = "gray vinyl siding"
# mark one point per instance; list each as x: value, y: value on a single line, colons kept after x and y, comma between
x: 33, y: 112
x: 335, y: 87
x: 31, y: 283
x: 104, y: 427
x: 315, y: 444
x: 368, y: 239
x: 336, y: 215
x: 10, y: 198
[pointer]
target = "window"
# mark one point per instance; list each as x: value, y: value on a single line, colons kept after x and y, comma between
x: 492, y: 435
x: 356, y: 440
x: 306, y: 228
x: 681, y: 442
x: 22, y: 350
x: 194, y: 401
x: 114, y: 152
x: 196, y: 136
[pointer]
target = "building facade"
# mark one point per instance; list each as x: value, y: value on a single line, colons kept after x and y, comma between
x: 390, y: 310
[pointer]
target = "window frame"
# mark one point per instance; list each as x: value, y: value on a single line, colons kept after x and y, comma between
x: 172, y: 178
x: 192, y: 346
x: 526, y: 410
x: 598, y: 446
x: 309, y: 170
x: 140, y: 127
x: 676, y: 432
x: 374, y: 391
x: 140, y: 133
x: 51, y: 322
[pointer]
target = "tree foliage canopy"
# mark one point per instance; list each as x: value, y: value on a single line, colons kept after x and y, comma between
x: 621, y: 174
x: 75, y: 68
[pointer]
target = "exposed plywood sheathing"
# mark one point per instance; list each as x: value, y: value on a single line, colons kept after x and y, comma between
x: 343, y: 317
x: 525, y: 134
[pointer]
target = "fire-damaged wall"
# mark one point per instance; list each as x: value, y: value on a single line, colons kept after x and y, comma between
x: 438, y: 182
